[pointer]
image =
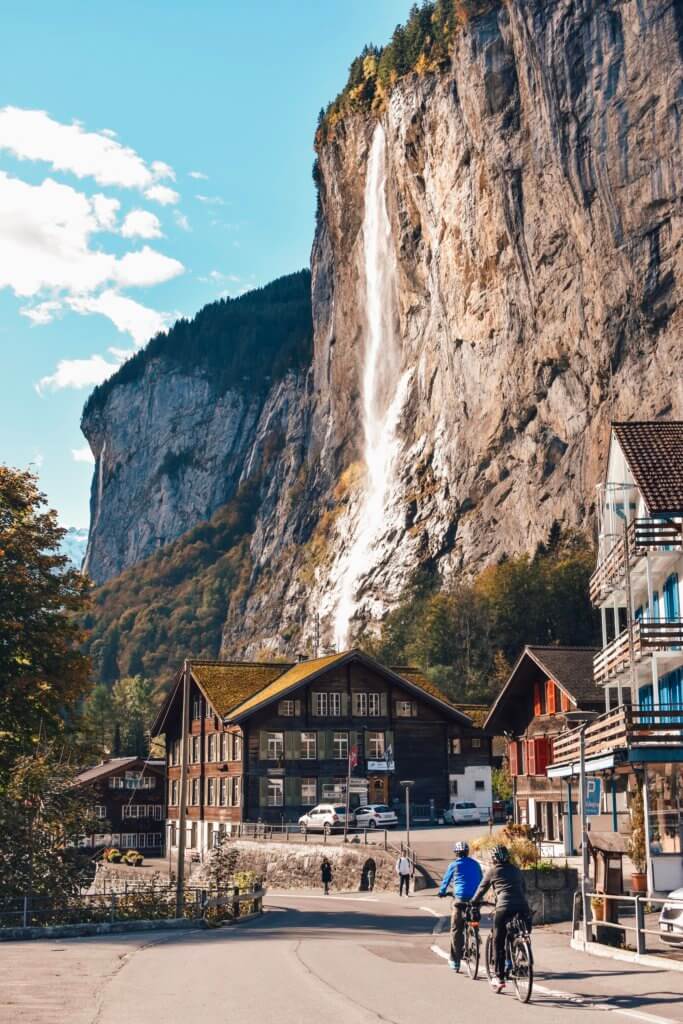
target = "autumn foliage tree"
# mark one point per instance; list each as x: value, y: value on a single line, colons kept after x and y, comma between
x: 43, y: 674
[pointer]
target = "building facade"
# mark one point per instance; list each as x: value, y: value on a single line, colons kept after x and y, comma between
x: 638, y: 740
x: 129, y: 801
x: 268, y: 741
x: 544, y: 683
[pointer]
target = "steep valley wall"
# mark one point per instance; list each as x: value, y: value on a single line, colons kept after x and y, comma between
x: 533, y: 191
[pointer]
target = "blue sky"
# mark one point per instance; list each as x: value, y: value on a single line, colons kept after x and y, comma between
x: 187, y: 176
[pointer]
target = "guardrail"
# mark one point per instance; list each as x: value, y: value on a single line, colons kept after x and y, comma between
x: 295, y: 833
x: 649, y: 635
x: 643, y: 535
x: 634, y: 917
x: 624, y: 727
x: 156, y: 902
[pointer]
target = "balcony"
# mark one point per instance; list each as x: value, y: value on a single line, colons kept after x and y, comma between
x: 649, y: 636
x: 643, y: 535
x: 622, y: 729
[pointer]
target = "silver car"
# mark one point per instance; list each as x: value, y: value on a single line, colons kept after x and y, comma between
x: 325, y: 818
x: 671, y: 919
x: 375, y: 816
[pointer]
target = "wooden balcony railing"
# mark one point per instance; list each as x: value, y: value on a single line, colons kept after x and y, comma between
x: 649, y: 635
x: 621, y: 729
x: 643, y: 535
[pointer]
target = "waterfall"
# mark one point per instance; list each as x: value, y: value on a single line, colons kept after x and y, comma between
x: 98, y: 507
x: 383, y: 391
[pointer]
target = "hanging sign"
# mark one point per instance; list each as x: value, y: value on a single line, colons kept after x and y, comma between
x: 593, y: 794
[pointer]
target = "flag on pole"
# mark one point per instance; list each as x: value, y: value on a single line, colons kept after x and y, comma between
x: 353, y: 757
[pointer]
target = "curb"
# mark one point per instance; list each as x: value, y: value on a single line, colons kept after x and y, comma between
x: 77, y: 931
x: 626, y: 956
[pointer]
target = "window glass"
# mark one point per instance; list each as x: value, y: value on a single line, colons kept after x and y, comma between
x: 335, y: 704
x: 340, y: 745
x: 309, y: 791
x: 309, y: 746
x: 479, y: 784
x: 375, y: 746
x: 196, y: 708
x: 237, y: 748
x: 275, y: 746
x: 320, y: 703
x: 456, y: 745
x: 476, y: 742
x: 374, y: 705
x: 223, y: 792
x: 275, y: 790
x: 406, y: 709
x: 360, y: 704
x: 286, y: 707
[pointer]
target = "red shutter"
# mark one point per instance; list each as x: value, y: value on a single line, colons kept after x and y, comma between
x: 542, y: 755
x: 566, y: 703
x: 538, y: 701
x: 550, y: 697
x: 531, y: 757
x: 512, y: 757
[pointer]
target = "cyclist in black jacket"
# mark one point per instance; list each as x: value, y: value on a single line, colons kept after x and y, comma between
x: 508, y: 885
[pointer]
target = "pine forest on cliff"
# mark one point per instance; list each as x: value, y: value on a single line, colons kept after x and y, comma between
x: 402, y: 444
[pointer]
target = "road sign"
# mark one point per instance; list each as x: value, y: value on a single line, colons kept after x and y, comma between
x: 593, y: 793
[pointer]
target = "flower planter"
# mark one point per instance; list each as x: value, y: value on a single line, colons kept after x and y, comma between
x: 638, y: 881
x: 598, y: 908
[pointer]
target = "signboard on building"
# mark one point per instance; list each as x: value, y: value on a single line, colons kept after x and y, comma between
x: 358, y: 786
x: 593, y: 794
x: 381, y: 766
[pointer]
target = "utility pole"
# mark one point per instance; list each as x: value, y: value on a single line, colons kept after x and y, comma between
x: 182, y: 816
x: 583, y: 720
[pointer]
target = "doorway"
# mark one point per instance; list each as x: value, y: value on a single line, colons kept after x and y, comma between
x: 378, y: 789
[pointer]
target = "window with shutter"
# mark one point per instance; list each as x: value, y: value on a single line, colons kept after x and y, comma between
x: 512, y: 757
x: 531, y: 757
x: 550, y: 697
x: 538, y: 700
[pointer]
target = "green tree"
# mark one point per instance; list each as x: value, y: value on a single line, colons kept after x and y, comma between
x: 43, y: 675
x: 134, y: 706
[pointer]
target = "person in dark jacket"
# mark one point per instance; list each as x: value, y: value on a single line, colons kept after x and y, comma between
x: 465, y: 875
x: 326, y: 875
x: 508, y: 886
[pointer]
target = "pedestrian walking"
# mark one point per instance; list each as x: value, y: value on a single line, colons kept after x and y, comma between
x: 326, y: 875
x: 404, y: 870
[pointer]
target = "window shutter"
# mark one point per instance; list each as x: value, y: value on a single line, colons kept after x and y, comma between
x: 345, y: 705
x: 291, y: 746
x: 531, y: 757
x: 263, y: 745
x: 324, y: 745
x: 389, y: 742
x: 292, y: 790
x: 541, y: 755
x: 383, y: 704
x: 297, y: 708
x: 538, y: 703
x: 314, y: 704
x: 550, y: 697
x: 512, y: 757
x: 566, y: 703
x: 263, y: 792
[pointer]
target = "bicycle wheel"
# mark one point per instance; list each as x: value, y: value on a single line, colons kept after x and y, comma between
x: 472, y: 944
x: 489, y: 959
x: 522, y: 969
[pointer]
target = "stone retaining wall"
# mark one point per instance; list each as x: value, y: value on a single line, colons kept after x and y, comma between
x: 551, y: 893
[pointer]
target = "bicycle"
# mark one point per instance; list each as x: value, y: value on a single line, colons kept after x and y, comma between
x: 519, y: 958
x: 472, y: 943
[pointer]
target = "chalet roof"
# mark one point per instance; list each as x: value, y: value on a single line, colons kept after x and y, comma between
x: 116, y: 764
x: 608, y: 842
x: 654, y: 452
x: 477, y: 712
x: 237, y: 688
x: 571, y: 668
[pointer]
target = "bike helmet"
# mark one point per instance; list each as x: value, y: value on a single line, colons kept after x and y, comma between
x: 500, y: 855
x: 461, y: 849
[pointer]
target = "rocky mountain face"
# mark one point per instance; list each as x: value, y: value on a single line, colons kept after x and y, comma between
x: 528, y: 199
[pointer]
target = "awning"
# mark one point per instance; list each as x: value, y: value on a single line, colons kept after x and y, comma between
x: 593, y: 764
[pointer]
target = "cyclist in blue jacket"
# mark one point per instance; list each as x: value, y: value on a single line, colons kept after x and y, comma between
x: 465, y: 875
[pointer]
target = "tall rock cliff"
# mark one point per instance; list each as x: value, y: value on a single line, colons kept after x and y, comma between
x: 496, y: 274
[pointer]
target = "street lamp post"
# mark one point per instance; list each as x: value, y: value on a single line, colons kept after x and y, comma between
x: 407, y: 783
x: 583, y: 720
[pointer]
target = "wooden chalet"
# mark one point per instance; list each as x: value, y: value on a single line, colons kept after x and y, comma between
x: 268, y: 741
x: 129, y: 799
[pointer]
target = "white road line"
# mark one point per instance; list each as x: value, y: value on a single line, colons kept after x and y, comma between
x: 428, y: 910
x: 568, y: 997
x: 328, y: 899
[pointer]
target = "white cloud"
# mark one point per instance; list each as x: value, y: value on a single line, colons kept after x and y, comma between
x: 38, y: 460
x: 34, y: 135
x: 146, y: 267
x: 162, y: 194
x: 211, y: 200
x: 128, y: 316
x: 141, y: 224
x: 105, y: 210
x: 43, y: 313
x: 77, y: 373
x: 83, y: 455
x: 181, y: 220
x: 198, y: 175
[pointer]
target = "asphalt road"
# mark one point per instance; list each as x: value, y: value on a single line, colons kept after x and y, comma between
x: 340, y: 960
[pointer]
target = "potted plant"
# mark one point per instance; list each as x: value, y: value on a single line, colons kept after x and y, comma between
x: 598, y: 908
x: 636, y: 843
x: 133, y: 858
x: 113, y: 856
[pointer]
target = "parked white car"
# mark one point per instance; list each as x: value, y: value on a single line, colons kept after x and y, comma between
x: 375, y: 816
x: 464, y: 812
x: 671, y: 919
x: 324, y: 818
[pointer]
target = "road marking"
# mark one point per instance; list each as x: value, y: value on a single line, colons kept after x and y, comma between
x: 428, y: 910
x: 569, y: 997
x: 313, y: 896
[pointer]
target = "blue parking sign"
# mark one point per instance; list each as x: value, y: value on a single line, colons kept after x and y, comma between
x: 593, y: 793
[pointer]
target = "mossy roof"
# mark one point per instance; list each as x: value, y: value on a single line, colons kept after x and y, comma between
x: 228, y: 684
x: 294, y: 675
